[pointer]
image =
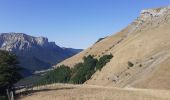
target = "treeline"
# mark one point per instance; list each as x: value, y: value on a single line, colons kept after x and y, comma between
x: 80, y: 73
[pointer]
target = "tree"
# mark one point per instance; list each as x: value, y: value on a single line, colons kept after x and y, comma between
x: 84, y: 71
x: 61, y: 74
x: 9, y: 71
x: 80, y: 73
x: 103, y: 61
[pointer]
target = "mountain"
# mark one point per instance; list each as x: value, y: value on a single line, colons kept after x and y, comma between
x: 34, y: 53
x: 141, y: 53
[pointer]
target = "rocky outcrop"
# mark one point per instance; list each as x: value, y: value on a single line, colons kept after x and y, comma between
x: 149, y: 19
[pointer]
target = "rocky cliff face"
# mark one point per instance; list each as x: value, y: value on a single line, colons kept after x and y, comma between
x: 20, y: 41
x: 34, y: 53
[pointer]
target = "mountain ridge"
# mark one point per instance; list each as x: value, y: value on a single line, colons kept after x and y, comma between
x: 34, y: 53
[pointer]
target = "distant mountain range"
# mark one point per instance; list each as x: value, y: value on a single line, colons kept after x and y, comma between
x: 34, y: 53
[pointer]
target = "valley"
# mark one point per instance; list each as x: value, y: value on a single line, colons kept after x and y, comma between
x: 132, y: 64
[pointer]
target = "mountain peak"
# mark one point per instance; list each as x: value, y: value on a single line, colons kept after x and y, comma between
x: 21, y: 41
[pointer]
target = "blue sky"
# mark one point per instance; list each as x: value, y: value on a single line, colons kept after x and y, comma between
x: 71, y: 23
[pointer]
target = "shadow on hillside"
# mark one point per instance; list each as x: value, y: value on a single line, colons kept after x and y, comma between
x: 30, y: 92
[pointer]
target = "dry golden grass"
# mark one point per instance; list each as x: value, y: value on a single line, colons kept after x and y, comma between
x: 89, y: 92
x: 145, y: 43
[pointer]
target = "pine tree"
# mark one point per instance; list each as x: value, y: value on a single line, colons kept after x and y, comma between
x: 9, y: 71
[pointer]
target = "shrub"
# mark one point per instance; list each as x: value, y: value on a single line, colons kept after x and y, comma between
x: 140, y: 65
x: 100, y: 39
x: 130, y: 64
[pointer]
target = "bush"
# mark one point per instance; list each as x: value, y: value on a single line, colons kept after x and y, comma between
x: 100, y: 39
x: 130, y: 64
x: 140, y: 65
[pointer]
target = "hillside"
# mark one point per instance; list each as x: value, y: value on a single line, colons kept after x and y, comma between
x: 34, y: 53
x: 145, y: 44
x: 90, y: 92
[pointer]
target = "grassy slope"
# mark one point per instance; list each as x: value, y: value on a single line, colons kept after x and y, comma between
x: 89, y: 92
x: 148, y: 45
